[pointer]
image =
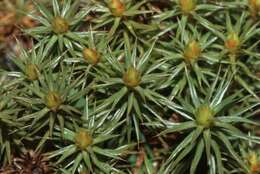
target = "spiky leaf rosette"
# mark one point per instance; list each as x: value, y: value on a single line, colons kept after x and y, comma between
x: 210, y: 129
x: 88, y: 54
x: 196, y: 10
x: 83, y: 147
x: 135, y: 92
x: 238, y: 48
x: 51, y: 101
x: 131, y: 88
x: 191, y: 50
x: 59, y: 26
x: 120, y: 16
x: 31, y: 64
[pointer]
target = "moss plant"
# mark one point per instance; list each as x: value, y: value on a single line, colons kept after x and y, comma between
x: 130, y: 86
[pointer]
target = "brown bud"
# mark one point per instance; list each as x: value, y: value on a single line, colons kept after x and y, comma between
x: 83, y: 139
x: 132, y: 77
x: 187, y: 6
x: 91, y: 56
x: 232, y: 43
x: 192, y: 51
x: 117, y: 8
x: 31, y: 71
x: 60, y: 25
x: 254, y: 163
x: 53, y: 100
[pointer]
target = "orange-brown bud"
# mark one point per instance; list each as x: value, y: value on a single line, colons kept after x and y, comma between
x: 31, y: 71
x: 83, y: 139
x: 192, y: 51
x: 53, y: 100
x: 232, y: 43
x: 254, y: 163
x: 60, y: 25
x: 91, y: 56
x: 117, y: 8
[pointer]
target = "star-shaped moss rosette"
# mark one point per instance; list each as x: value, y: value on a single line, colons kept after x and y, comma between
x: 209, y: 129
x: 130, y: 85
x: 113, y: 15
x: 31, y: 64
x: 240, y: 31
x: 188, y: 49
x: 51, y: 101
x: 10, y: 135
x: 88, y: 55
x: 83, y: 148
x: 58, y: 27
x: 196, y: 11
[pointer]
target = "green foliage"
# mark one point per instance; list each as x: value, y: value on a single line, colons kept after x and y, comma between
x: 210, y: 130
x: 86, y: 146
x: 143, y: 87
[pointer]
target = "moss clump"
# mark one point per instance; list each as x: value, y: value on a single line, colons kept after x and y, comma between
x: 60, y: 25
x: 132, y: 77
x: 83, y: 139
x: 53, y: 100
x: 204, y: 116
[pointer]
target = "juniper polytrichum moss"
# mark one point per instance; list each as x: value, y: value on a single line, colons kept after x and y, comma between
x: 129, y: 86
